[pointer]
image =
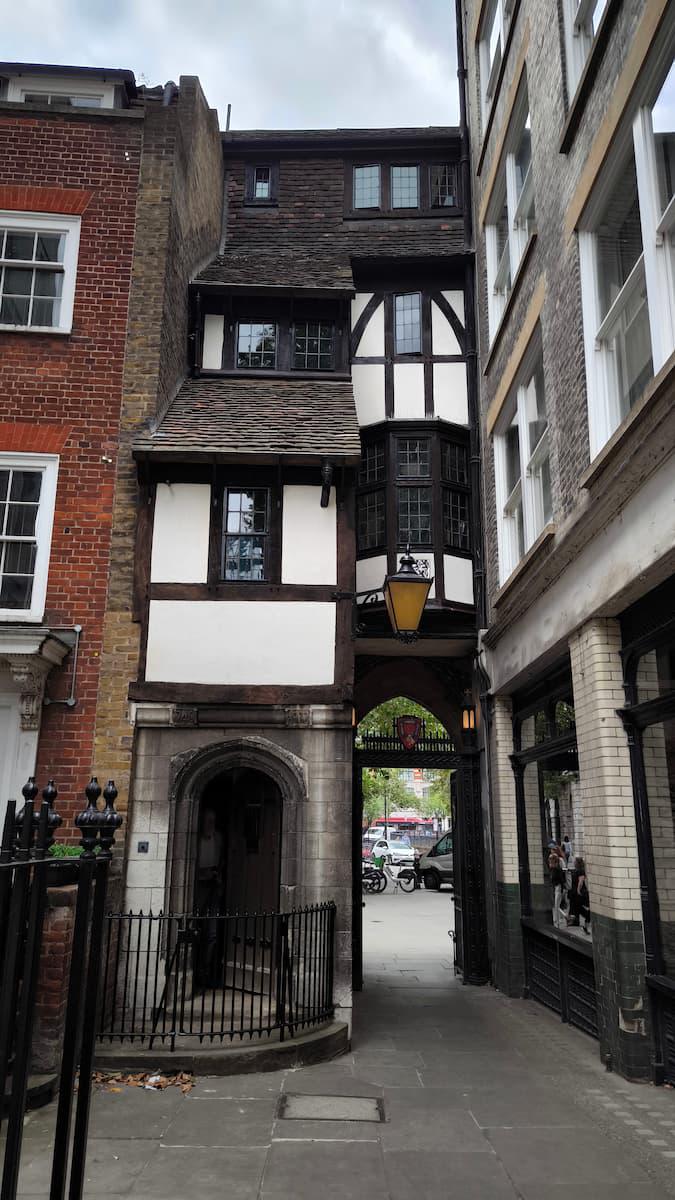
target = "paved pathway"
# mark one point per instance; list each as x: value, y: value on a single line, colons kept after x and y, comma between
x: 483, y: 1098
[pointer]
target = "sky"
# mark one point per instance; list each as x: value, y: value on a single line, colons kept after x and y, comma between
x: 281, y: 64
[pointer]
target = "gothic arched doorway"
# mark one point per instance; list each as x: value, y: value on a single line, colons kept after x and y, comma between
x: 239, y: 843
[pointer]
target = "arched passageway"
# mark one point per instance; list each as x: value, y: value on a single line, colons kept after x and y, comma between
x: 239, y: 844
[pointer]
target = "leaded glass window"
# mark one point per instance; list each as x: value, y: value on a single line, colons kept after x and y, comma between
x: 443, y: 186
x: 31, y: 277
x: 456, y: 519
x: 413, y: 457
x: 405, y: 187
x: 373, y: 466
x: 256, y: 345
x: 454, y: 468
x: 408, y: 323
x: 313, y: 346
x: 246, y: 513
x: 414, y: 516
x: 19, y: 505
x: 370, y: 521
x: 367, y: 186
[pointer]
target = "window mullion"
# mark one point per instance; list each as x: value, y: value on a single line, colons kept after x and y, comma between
x: 659, y: 298
x: 515, y: 239
x: 526, y: 482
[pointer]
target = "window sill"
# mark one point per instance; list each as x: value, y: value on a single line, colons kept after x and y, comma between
x: 42, y: 329
x: 588, y: 76
x: 406, y: 214
x: 261, y: 204
x: 515, y: 289
x: 252, y: 373
x: 606, y: 457
x: 546, y: 535
x: 498, y: 84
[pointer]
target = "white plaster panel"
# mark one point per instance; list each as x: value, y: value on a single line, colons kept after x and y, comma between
x: 443, y: 336
x: 368, y: 380
x: 212, y: 349
x: 180, y: 535
x: 456, y: 302
x: 18, y: 747
x: 409, y: 391
x: 450, y: 398
x: 640, y: 537
x: 371, y: 344
x: 458, y: 574
x: 431, y: 567
x: 358, y: 304
x: 370, y: 573
x: 241, y: 642
x: 309, y: 537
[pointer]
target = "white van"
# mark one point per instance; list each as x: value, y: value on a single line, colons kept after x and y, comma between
x: 437, y: 864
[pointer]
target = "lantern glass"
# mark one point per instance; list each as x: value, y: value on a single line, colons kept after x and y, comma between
x: 405, y: 594
x: 468, y: 718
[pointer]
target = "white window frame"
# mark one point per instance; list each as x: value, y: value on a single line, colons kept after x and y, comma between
x: 54, y: 86
x: 48, y: 464
x: 51, y: 223
x: 528, y: 491
x: 488, y: 65
x: 655, y: 269
x: 579, y: 37
x: 520, y: 209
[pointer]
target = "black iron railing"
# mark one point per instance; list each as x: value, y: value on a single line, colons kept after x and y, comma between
x: 25, y: 873
x: 217, y: 977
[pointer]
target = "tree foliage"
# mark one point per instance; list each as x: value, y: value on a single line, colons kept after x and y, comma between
x: 382, y: 718
x: 381, y: 784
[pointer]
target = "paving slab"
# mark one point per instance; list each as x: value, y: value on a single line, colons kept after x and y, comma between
x: 437, y: 1175
x: 202, y: 1174
x: 133, y: 1112
x: 333, y: 1171
x: 222, y: 1123
x: 540, y: 1157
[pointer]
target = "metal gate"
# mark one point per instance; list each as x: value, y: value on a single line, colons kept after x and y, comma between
x: 386, y: 750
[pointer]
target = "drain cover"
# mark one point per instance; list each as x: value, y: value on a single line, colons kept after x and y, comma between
x: 330, y: 1108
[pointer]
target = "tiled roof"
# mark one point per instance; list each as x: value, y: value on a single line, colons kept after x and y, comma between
x: 302, y: 269
x: 296, y: 417
x: 413, y: 133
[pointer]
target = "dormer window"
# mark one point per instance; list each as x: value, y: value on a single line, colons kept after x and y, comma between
x: 62, y: 98
x: 443, y: 186
x: 261, y: 184
x: 399, y: 188
x: 256, y: 345
x: 313, y: 346
x: 405, y: 187
x: 367, y: 186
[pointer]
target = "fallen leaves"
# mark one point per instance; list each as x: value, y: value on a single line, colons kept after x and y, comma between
x: 152, y: 1081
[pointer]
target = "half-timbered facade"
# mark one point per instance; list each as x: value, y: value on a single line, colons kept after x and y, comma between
x: 322, y: 428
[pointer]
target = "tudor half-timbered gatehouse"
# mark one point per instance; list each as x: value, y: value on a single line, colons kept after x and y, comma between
x: 323, y: 426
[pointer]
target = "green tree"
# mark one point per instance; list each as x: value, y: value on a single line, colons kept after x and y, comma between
x: 381, y: 719
x: 379, y: 785
x: 437, y: 800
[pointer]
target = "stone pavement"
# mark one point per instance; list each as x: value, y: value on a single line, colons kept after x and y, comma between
x: 483, y: 1097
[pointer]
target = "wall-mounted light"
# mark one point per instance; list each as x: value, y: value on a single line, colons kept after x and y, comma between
x: 405, y: 594
x: 468, y: 714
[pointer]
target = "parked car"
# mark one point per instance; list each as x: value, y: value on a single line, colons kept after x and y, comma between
x: 437, y: 864
x: 400, y: 849
x: 373, y: 833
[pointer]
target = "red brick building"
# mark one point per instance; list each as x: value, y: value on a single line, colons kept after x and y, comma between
x: 73, y: 149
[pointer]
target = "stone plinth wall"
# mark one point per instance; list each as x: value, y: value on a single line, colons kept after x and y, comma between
x: 52, y: 986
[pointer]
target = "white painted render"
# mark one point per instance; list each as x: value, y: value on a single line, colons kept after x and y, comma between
x: 370, y: 573
x: 409, y: 391
x: 358, y: 304
x: 212, y: 349
x: 241, y: 642
x: 458, y: 579
x: 180, y: 535
x: 456, y: 302
x: 371, y: 344
x: 443, y: 336
x: 368, y: 381
x: 61, y: 85
x: 450, y: 398
x: 431, y: 567
x: 309, y: 536
x: 634, y: 542
x: 18, y: 747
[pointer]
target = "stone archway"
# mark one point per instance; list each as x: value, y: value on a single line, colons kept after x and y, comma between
x: 192, y: 770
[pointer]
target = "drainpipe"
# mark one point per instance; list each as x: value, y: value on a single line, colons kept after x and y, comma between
x: 170, y: 90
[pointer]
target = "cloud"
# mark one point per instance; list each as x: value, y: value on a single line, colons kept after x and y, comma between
x: 280, y: 63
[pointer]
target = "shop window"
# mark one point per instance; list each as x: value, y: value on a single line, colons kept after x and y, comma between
x: 627, y: 248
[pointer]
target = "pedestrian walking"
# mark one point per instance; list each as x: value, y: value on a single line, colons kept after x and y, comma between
x: 567, y: 849
x: 580, y: 911
x: 557, y: 888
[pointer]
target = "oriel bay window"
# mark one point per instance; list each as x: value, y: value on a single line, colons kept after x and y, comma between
x: 413, y: 489
x: 627, y: 258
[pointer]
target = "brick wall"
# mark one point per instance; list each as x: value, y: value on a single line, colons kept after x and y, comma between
x: 178, y: 225
x: 52, y: 985
x: 62, y: 394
